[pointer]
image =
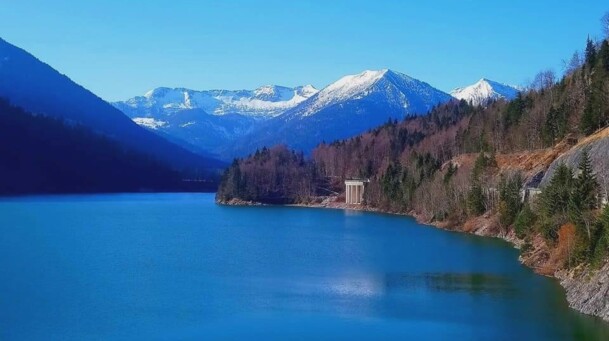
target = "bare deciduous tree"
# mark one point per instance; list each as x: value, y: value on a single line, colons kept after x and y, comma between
x: 605, y: 24
x: 573, y: 64
x: 543, y: 80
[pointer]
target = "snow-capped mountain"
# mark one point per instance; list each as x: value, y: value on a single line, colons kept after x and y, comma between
x: 347, y: 107
x: 210, y: 120
x: 404, y: 94
x: 484, y: 91
x: 264, y: 102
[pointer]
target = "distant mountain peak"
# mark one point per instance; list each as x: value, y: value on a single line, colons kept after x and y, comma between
x: 306, y: 90
x: 357, y: 81
x: 266, y: 90
x: 351, y: 84
x: 485, y: 90
x: 401, y: 90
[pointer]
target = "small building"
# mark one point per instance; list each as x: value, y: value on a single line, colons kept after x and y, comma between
x: 354, y: 191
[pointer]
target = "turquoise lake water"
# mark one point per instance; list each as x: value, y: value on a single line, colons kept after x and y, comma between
x: 177, y: 266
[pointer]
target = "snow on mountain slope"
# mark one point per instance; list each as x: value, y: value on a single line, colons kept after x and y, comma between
x: 233, y: 123
x: 347, y: 107
x: 484, y: 91
x: 403, y: 94
x: 264, y: 102
x: 349, y: 86
x: 210, y: 120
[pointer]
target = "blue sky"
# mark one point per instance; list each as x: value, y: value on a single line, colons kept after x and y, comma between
x: 119, y: 49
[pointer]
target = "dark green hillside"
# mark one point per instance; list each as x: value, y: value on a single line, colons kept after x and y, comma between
x: 39, y: 154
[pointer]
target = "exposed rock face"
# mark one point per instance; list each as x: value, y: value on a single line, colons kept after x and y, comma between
x: 597, y: 146
x: 587, y: 290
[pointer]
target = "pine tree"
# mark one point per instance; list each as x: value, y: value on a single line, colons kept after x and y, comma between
x: 586, y: 185
x: 557, y: 194
x: 584, y: 197
x: 589, y: 119
x: 556, y: 125
x: 600, y: 244
x: 509, y: 196
x: 590, y: 53
x: 524, y: 221
x: 475, y: 199
x: 603, y: 55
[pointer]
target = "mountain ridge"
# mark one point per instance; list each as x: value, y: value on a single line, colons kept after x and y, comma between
x: 262, y: 102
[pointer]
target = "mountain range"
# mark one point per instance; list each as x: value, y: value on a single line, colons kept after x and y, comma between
x: 236, y: 122
x: 210, y: 120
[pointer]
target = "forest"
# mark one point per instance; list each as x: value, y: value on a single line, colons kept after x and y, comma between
x: 460, y: 162
x: 39, y: 154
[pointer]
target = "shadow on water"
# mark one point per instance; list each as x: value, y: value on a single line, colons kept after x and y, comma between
x: 473, y: 283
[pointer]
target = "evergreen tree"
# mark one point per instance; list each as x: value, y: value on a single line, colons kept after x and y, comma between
x: 524, y: 221
x: 589, y: 119
x: 600, y: 243
x: 555, y: 201
x: 515, y: 109
x: 482, y: 163
x: 556, y: 196
x: 509, y: 196
x: 586, y: 186
x: 475, y: 199
x: 555, y: 126
x: 590, y: 52
x: 603, y: 55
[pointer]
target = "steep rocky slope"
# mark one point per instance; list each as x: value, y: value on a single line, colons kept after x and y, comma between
x: 597, y: 146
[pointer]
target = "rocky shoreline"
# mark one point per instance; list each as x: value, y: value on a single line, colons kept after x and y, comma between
x: 586, y: 289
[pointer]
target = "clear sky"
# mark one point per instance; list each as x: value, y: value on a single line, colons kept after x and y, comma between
x: 120, y: 48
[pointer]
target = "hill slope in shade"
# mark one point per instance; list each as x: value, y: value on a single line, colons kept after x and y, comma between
x: 35, y: 86
x: 40, y: 154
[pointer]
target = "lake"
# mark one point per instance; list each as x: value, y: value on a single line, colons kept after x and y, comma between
x: 177, y: 266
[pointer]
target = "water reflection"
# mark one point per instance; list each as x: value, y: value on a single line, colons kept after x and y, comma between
x: 475, y: 283
x: 375, y: 285
x: 360, y: 286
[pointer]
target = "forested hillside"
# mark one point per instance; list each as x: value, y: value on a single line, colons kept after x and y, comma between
x: 36, y: 87
x: 461, y: 162
x: 39, y: 154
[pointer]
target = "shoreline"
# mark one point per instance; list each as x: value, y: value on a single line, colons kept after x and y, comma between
x: 586, y: 289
